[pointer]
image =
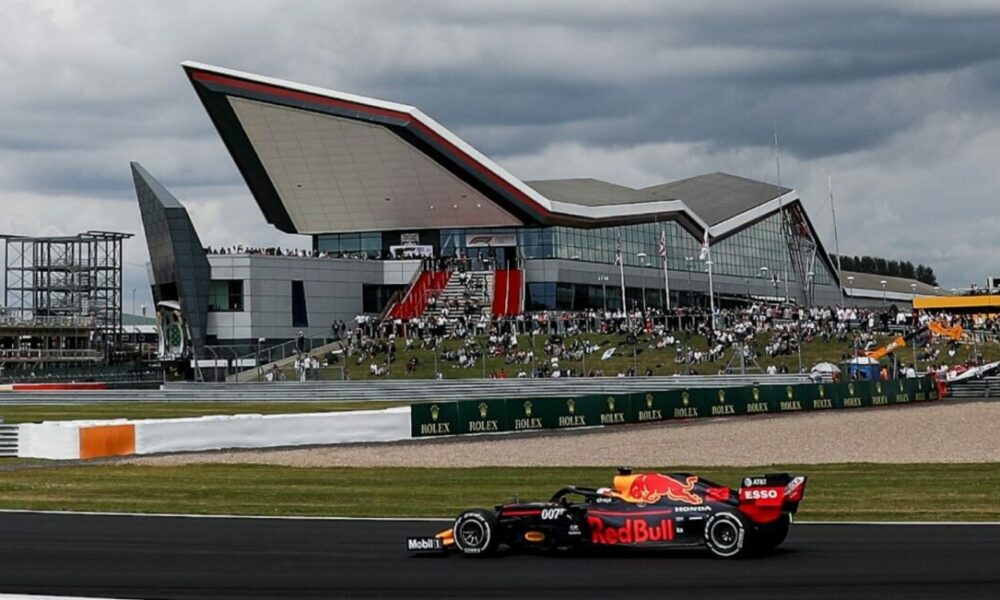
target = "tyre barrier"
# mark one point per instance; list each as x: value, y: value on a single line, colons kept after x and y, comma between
x: 596, y: 410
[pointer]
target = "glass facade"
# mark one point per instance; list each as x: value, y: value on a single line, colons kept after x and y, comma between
x: 740, y: 255
x: 350, y: 243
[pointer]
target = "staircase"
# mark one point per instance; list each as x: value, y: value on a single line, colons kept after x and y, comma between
x: 477, y: 282
x: 414, y: 303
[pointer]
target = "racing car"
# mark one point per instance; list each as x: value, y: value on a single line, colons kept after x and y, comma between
x: 645, y: 510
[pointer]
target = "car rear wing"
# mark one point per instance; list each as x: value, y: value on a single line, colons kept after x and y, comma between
x: 764, y: 498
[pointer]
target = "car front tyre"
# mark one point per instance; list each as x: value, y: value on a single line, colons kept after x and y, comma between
x: 475, y: 532
x: 726, y: 535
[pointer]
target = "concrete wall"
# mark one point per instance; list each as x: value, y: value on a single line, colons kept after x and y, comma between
x: 333, y: 289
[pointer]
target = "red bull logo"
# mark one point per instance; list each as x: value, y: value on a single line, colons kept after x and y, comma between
x: 653, y: 486
x: 632, y: 531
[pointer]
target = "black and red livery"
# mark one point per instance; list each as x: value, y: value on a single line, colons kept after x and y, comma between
x: 646, y: 510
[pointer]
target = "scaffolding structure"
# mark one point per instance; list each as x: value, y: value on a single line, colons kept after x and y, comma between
x: 67, y: 281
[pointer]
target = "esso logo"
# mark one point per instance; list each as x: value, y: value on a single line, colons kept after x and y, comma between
x: 770, y: 494
x: 550, y: 514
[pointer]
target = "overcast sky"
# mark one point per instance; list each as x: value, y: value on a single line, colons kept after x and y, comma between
x: 897, y: 101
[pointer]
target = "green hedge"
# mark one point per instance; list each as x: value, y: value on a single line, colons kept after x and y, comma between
x: 527, y: 414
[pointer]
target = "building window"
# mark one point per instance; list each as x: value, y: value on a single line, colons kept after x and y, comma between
x: 300, y: 315
x: 225, y: 295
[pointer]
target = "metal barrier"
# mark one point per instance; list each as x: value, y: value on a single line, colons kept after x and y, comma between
x: 422, y: 390
x: 987, y: 387
x: 8, y: 439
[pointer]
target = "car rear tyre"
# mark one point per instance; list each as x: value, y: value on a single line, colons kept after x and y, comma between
x: 725, y: 534
x: 769, y: 536
x: 475, y: 532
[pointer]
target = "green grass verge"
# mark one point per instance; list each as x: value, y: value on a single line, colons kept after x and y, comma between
x: 966, y: 492
x: 660, y: 362
x: 34, y: 413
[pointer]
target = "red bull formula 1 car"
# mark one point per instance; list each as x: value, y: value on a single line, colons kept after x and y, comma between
x: 648, y: 510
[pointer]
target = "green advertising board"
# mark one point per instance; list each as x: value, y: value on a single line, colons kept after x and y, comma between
x: 614, y: 409
x: 582, y: 411
x: 759, y: 400
x: 688, y: 403
x: 482, y: 416
x: 725, y: 402
x: 529, y: 414
x: 648, y: 407
x: 854, y: 394
x: 881, y: 394
x: 434, y: 418
x: 820, y: 396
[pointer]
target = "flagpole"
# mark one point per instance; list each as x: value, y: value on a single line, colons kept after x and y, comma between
x: 711, y: 291
x: 621, y: 273
x: 706, y: 252
x: 619, y: 258
x: 666, y: 276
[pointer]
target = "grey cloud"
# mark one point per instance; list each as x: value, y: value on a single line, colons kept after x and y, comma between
x: 89, y: 86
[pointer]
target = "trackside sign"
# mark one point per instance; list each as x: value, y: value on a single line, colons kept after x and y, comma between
x: 531, y: 414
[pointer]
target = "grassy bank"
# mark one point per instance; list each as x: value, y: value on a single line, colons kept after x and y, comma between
x: 968, y: 492
x: 659, y: 361
x: 34, y: 413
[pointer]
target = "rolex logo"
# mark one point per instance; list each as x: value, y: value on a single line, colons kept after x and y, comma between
x: 789, y: 392
x: 850, y: 389
x: 685, y: 398
x: 571, y: 406
x: 722, y: 396
x: 649, y: 401
x: 611, y: 404
x: 878, y: 387
x: 756, y: 394
x: 435, y: 411
x: 527, y: 408
x: 821, y: 393
x: 483, y: 410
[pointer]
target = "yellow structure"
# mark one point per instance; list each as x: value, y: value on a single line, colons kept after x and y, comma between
x: 957, y: 302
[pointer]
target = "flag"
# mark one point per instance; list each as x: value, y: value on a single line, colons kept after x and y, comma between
x: 618, y: 251
x: 663, y: 243
x: 704, y: 248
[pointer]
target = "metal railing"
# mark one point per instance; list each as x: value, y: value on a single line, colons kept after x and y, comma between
x: 49, y: 355
x: 79, y: 321
x: 423, y: 390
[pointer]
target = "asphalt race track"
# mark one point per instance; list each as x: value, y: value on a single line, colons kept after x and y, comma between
x: 176, y: 557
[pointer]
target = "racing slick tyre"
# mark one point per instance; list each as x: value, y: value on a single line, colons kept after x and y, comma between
x: 769, y: 536
x: 726, y: 535
x: 475, y: 532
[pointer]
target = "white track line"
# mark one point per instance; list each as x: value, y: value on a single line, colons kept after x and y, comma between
x: 423, y: 519
x: 188, y: 516
x: 31, y: 597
